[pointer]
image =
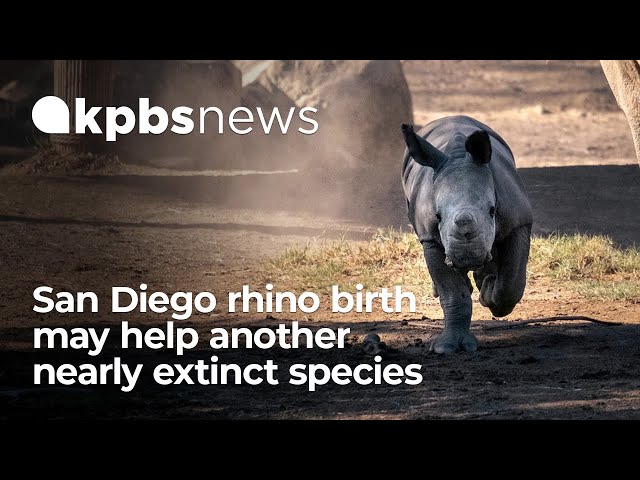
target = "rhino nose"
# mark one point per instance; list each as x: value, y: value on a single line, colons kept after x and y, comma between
x: 466, y: 226
x: 464, y: 219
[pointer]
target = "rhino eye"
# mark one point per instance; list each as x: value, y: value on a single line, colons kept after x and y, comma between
x: 438, y: 217
x: 492, y: 211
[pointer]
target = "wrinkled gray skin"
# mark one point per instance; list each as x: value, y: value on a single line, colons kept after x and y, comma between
x: 469, y: 208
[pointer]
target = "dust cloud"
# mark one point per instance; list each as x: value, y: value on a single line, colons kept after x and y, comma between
x: 350, y: 168
x: 350, y: 165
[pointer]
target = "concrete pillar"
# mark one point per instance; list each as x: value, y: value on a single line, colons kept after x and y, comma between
x: 89, y: 79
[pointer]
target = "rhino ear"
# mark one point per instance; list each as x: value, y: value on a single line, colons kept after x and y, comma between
x: 422, y: 151
x: 478, y: 145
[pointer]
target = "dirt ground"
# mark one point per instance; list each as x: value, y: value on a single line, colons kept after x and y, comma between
x: 214, y: 233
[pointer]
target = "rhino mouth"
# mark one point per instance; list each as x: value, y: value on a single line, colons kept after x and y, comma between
x: 467, y: 261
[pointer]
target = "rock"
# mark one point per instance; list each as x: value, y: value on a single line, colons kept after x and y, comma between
x: 203, y: 84
x: 274, y: 151
x: 372, y: 345
x: 361, y: 105
x: 267, y: 97
x: 169, y: 84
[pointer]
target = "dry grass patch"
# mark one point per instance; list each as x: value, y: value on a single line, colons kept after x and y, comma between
x: 590, y: 264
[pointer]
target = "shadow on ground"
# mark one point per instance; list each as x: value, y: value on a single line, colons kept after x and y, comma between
x: 564, y: 370
x: 589, y: 199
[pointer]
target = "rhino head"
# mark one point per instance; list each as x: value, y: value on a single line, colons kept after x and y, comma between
x: 463, y: 192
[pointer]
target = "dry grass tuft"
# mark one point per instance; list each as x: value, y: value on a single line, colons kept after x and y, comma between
x: 590, y: 264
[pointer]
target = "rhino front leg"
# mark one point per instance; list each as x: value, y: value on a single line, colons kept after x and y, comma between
x: 501, y: 292
x: 453, y: 291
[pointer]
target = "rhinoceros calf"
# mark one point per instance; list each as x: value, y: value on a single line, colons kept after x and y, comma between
x: 469, y: 208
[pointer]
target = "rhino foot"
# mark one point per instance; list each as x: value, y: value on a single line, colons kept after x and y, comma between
x: 452, y: 342
x: 500, y: 307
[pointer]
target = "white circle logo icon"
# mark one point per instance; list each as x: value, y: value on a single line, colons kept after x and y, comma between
x: 51, y: 115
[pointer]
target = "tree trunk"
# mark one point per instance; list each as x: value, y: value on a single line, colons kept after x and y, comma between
x: 88, y: 79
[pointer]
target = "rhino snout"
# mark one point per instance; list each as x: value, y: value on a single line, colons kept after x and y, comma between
x: 465, y: 226
x: 465, y: 219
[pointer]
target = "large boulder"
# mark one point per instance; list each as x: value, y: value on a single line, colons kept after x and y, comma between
x: 210, y: 83
x: 274, y: 151
x: 361, y: 105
